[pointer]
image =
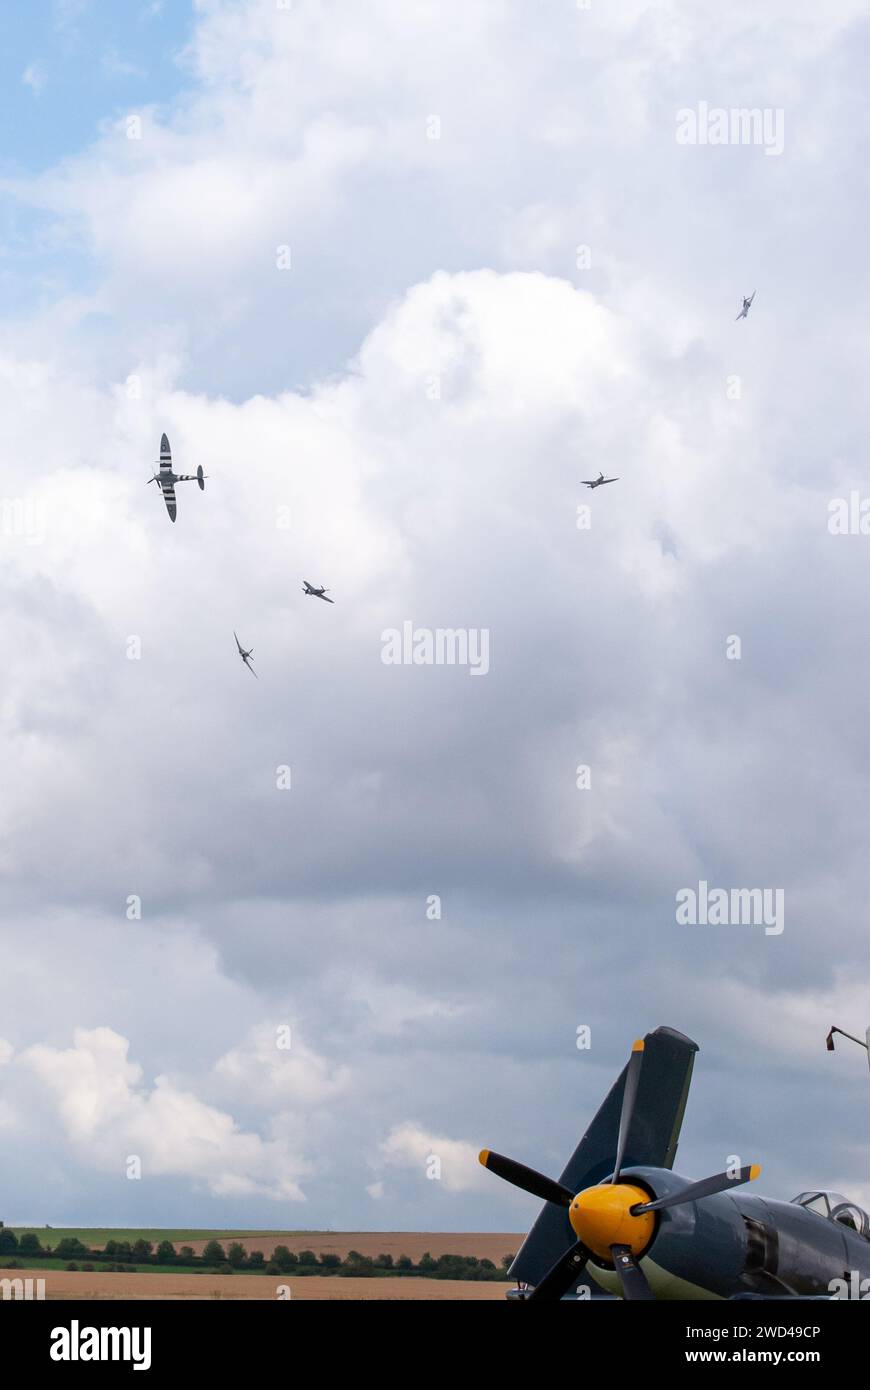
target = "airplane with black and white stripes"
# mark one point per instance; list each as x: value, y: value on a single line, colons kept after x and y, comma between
x: 166, y: 479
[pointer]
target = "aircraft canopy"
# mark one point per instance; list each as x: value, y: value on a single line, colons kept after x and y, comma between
x: 835, y: 1207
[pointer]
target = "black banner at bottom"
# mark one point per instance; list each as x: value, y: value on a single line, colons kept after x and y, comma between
x: 258, y: 1337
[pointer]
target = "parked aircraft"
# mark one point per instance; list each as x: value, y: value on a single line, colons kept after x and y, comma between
x: 622, y: 1221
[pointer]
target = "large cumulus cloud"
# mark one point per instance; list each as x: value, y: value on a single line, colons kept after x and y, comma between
x: 394, y: 420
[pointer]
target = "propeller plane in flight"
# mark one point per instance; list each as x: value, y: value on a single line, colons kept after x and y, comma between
x: 314, y: 592
x: 166, y: 479
x: 621, y: 1220
x: 246, y: 655
x: 747, y: 305
x: 599, y: 481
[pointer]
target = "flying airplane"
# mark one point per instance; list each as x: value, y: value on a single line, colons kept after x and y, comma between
x: 620, y: 1220
x: 599, y: 481
x: 747, y: 305
x: 166, y: 479
x: 316, y: 593
x: 245, y: 657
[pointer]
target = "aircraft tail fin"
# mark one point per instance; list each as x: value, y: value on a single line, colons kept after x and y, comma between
x: 662, y: 1093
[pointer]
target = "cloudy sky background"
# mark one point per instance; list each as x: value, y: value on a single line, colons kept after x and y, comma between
x: 140, y: 292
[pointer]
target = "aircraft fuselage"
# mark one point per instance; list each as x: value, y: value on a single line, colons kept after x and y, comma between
x: 735, y: 1243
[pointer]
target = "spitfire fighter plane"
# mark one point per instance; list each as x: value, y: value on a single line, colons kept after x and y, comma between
x: 246, y: 655
x: 747, y: 305
x: 315, y: 592
x: 620, y: 1221
x: 166, y: 479
x: 599, y: 481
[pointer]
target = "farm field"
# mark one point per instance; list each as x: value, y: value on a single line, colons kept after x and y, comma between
x: 86, y: 1285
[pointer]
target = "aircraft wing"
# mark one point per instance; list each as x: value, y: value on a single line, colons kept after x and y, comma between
x: 661, y: 1102
x: 169, y: 499
x: 165, y: 455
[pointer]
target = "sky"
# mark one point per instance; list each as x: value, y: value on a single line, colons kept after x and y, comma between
x: 287, y: 953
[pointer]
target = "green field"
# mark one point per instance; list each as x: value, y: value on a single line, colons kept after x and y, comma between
x: 37, y: 1263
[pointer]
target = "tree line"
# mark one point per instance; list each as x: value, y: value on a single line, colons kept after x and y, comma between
x: 118, y: 1255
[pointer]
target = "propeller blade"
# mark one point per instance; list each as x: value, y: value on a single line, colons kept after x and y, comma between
x: 526, y: 1178
x: 629, y: 1096
x: 707, y: 1187
x: 631, y: 1276
x: 563, y: 1276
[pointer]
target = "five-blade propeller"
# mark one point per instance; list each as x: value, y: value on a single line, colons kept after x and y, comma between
x: 609, y: 1220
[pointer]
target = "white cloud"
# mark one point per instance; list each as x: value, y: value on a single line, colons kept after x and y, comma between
x: 266, y: 1070
x: 108, y: 1114
x: 274, y: 146
x: 33, y: 77
x: 114, y: 65
x: 453, y: 510
x: 409, y: 1146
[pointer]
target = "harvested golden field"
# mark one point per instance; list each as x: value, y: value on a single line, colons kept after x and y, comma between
x: 374, y: 1243
x: 447, y: 1290
x: 65, y: 1284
